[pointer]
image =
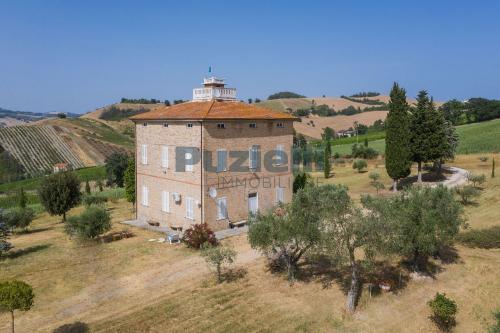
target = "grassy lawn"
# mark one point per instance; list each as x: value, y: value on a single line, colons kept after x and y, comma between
x: 133, y: 285
x: 480, y: 137
x: 346, y: 149
x: 474, y: 138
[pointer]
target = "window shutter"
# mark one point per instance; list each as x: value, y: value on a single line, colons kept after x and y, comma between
x: 190, y: 208
x: 164, y: 157
x: 280, y: 154
x: 165, y: 201
x: 254, y: 155
x: 222, y: 208
x: 145, y: 194
x: 221, y: 160
x: 144, y: 154
x: 280, y: 194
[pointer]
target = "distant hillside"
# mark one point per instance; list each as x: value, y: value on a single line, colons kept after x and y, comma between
x: 37, y: 148
x: 15, y: 118
x: 312, y: 126
x: 81, y: 142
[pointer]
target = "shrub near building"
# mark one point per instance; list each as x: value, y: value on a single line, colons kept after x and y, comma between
x: 92, y: 223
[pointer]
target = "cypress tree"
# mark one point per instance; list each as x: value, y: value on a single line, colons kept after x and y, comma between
x: 129, y: 180
x: 493, y: 168
x: 328, y: 153
x: 428, y: 139
x: 87, y: 187
x: 397, y: 137
x: 22, y: 198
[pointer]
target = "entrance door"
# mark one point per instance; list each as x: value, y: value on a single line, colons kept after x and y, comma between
x: 253, y: 203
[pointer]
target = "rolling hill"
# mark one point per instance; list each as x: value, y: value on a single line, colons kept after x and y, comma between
x: 15, y: 118
x: 474, y: 138
x: 81, y: 142
x: 312, y: 126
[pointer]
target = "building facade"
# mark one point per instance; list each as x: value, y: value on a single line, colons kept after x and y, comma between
x: 212, y: 160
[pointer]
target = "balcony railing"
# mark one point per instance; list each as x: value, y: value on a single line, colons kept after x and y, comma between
x: 211, y: 93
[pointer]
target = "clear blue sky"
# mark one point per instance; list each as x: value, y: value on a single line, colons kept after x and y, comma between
x: 76, y: 56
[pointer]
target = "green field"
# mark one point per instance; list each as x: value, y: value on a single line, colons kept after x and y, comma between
x: 91, y: 173
x: 481, y: 137
x: 346, y: 149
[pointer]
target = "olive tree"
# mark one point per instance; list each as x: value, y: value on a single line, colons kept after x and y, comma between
x: 360, y: 165
x: 286, y: 233
x: 421, y: 220
x: 93, y: 222
x: 15, y: 295
x: 346, y: 230
x: 375, y: 181
x: 59, y: 193
x: 5, y: 246
x: 19, y: 218
x: 217, y: 257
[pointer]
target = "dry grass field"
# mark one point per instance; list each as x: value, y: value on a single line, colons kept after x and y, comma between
x: 133, y: 285
x: 313, y: 126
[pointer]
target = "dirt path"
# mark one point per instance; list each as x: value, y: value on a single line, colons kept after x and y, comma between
x: 106, y: 298
x: 458, y: 177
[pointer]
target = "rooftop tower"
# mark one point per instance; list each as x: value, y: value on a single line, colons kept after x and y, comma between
x: 214, y: 89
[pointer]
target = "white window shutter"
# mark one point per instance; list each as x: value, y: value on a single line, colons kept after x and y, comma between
x: 190, y: 208
x: 165, y: 201
x: 145, y: 196
x: 164, y: 156
x: 144, y: 154
x: 280, y: 194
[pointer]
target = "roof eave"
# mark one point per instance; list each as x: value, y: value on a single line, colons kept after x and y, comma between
x: 210, y: 119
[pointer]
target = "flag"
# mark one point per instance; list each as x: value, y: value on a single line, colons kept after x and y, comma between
x: 210, y: 69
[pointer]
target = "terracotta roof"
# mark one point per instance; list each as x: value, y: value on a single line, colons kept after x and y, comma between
x: 212, y: 110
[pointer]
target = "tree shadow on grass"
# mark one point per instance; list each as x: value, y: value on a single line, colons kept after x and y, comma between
x: 430, y: 177
x: 324, y: 270
x: 378, y: 273
x: 31, y: 231
x: 448, y: 255
x: 21, y: 252
x: 76, y: 327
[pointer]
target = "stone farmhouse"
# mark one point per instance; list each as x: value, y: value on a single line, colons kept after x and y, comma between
x: 211, y: 160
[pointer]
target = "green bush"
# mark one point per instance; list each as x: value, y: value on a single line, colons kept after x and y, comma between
x: 467, y: 193
x: 97, y: 200
x: 197, y: 235
x: 217, y: 257
x: 476, y: 180
x: 93, y: 222
x: 19, y: 218
x: 375, y: 182
x: 113, y: 194
x: 5, y: 246
x: 481, y: 238
x: 362, y: 151
x: 495, y: 328
x: 360, y: 165
x: 443, y: 310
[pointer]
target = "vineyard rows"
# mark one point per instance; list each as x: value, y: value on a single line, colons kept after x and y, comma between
x: 37, y: 148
